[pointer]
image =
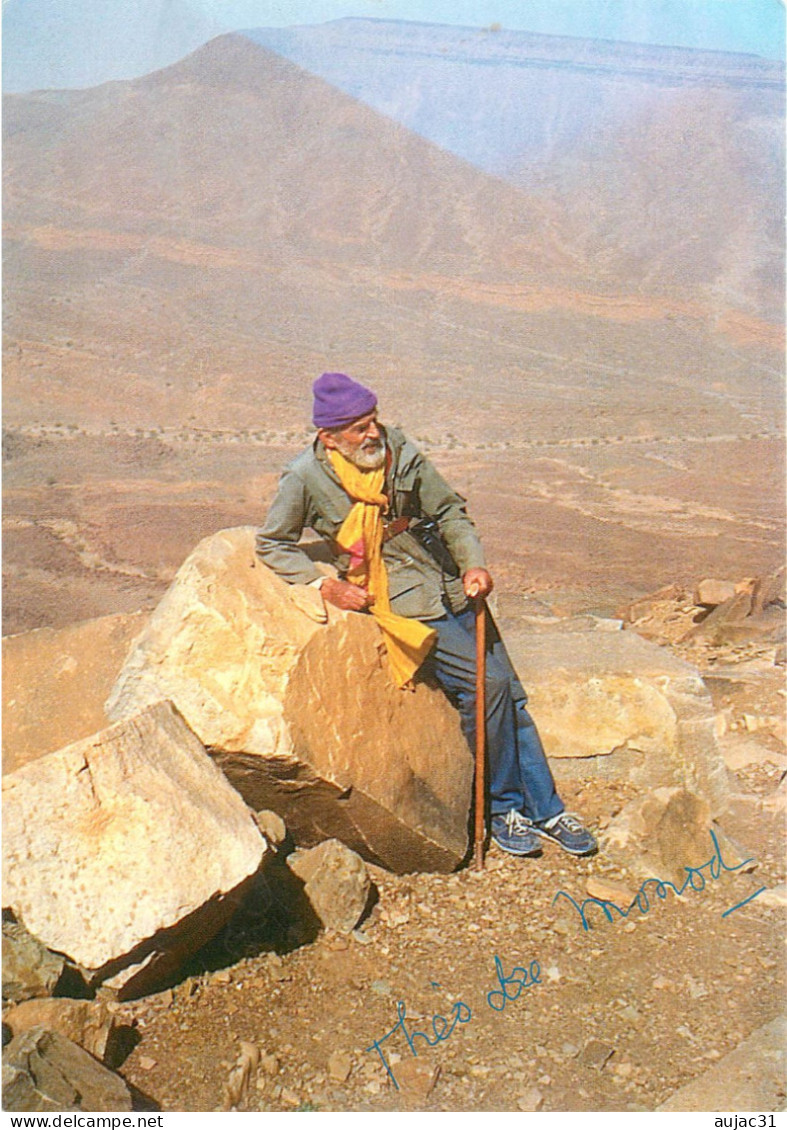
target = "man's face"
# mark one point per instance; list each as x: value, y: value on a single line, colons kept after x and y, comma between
x: 361, y: 442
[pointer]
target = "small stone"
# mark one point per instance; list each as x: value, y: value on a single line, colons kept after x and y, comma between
x: 236, y: 1088
x: 609, y: 891
x: 339, y: 1066
x: 336, y: 883
x: 417, y: 1078
x: 146, y: 1062
x: 269, y: 1063
x: 272, y: 826
x: 336, y: 942
x: 530, y: 1100
x: 696, y: 988
x: 570, y: 1051
x: 596, y: 1054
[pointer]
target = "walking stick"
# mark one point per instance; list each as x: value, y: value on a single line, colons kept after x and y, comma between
x: 480, y: 728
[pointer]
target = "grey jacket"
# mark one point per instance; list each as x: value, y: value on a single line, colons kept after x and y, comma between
x: 310, y: 495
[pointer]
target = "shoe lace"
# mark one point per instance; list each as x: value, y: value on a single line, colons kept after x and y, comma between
x: 571, y: 822
x: 516, y: 823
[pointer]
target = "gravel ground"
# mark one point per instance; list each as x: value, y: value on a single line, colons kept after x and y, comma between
x: 615, y: 1018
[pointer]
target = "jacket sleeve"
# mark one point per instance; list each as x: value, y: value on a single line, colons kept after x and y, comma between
x: 277, y: 541
x: 449, y: 510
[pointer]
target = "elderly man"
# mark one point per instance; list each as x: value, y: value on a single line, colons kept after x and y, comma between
x: 407, y: 552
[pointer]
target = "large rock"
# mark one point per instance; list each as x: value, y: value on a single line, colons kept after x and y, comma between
x: 87, y: 1023
x: 628, y: 709
x: 126, y: 850
x: 304, y: 717
x: 45, y: 1070
x: 55, y: 683
x: 666, y: 831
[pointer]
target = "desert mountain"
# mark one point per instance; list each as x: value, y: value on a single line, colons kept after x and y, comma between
x: 647, y: 151
x: 233, y: 215
x: 233, y: 207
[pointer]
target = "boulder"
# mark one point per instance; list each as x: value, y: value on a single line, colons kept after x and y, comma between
x: 87, y: 1023
x: 336, y: 883
x: 662, y: 833
x: 45, y: 1071
x: 55, y: 683
x: 303, y: 716
x: 615, y: 706
x: 769, y: 591
x: 29, y: 969
x: 126, y: 850
x: 711, y: 592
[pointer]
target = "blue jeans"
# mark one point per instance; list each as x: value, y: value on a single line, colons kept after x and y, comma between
x: 519, y: 775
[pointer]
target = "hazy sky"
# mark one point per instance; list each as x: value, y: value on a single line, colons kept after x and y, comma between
x: 728, y: 25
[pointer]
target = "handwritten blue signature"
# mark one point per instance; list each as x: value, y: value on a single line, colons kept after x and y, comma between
x: 511, y: 986
x: 509, y: 989
x: 695, y: 879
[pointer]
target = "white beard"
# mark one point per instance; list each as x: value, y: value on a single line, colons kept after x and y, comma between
x: 370, y: 459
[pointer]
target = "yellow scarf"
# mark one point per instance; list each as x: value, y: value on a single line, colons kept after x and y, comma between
x: 361, y: 535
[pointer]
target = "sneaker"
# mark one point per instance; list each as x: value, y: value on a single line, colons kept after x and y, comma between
x: 566, y: 830
x: 514, y: 834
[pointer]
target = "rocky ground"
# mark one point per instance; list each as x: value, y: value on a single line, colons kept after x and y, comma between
x: 538, y: 1013
x: 484, y: 990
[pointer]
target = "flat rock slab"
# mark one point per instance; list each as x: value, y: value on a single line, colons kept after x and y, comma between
x: 627, y: 708
x: 55, y: 683
x: 750, y: 1078
x: 304, y: 717
x: 125, y: 848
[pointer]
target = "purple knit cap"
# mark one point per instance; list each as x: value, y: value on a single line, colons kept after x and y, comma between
x: 338, y: 400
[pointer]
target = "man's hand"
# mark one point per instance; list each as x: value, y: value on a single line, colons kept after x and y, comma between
x: 342, y: 594
x: 477, y: 582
